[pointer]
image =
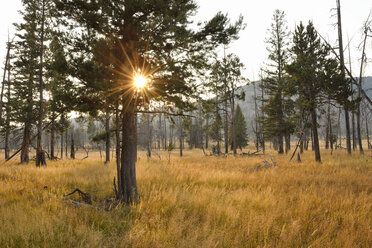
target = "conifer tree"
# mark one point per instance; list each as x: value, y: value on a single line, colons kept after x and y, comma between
x: 315, y: 76
x: 146, y: 37
x: 240, y: 129
x: 277, y: 121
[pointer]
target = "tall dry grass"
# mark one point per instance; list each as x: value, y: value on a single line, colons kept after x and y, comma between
x: 194, y: 201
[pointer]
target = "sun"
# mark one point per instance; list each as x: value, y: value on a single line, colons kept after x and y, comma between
x: 139, y: 81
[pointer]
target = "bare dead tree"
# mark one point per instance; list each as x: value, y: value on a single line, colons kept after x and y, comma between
x: 366, y: 30
x: 342, y: 67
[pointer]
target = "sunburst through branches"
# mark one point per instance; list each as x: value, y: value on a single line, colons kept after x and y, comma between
x: 134, y: 73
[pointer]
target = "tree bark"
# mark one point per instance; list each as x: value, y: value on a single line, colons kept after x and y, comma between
x: 128, y: 185
x: 61, y: 145
x: 39, y: 151
x: 52, y: 136
x: 149, y: 134
x: 287, y: 143
x: 3, y: 84
x: 315, y: 134
x: 72, y: 152
x: 117, y: 136
x: 360, y: 85
x: 26, y: 143
x: 7, y: 120
x: 280, y: 145
x: 66, y: 145
x: 108, y: 145
x: 181, y: 137
x: 367, y: 132
x: 342, y: 67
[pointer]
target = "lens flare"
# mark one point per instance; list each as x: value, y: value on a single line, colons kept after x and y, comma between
x: 140, y: 82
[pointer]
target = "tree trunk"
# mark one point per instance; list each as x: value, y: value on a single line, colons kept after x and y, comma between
x: 61, y: 145
x: 262, y: 131
x: 165, y: 135
x: 66, y: 141
x: 117, y: 136
x: 327, y: 137
x: 280, y: 145
x: 287, y: 143
x: 52, y: 136
x: 367, y: 132
x: 39, y: 150
x: 360, y: 85
x: 28, y: 125
x: 181, y: 136
x: 342, y: 67
x: 206, y: 135
x: 330, y: 134
x: 233, y: 130
x: 128, y: 185
x: 315, y: 135
x: 226, y: 129
x: 149, y: 134
x: 108, y: 145
x: 72, y: 153
x: 7, y: 120
x: 26, y: 143
x: 3, y: 84
x: 160, y: 138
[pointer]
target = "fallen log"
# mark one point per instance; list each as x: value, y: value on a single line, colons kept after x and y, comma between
x: 84, y: 196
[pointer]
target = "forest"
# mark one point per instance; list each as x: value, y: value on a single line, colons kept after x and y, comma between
x: 125, y: 123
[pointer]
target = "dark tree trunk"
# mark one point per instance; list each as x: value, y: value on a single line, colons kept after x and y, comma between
x: 160, y: 138
x: 72, y: 153
x: 26, y: 143
x: 315, y: 135
x: 226, y: 129
x: 287, y: 143
x: 165, y: 135
x: 331, y: 134
x: 206, y: 135
x: 128, y: 185
x: 4, y: 76
x: 27, y: 129
x: 149, y: 134
x: 280, y: 145
x: 353, y: 127
x: 117, y: 136
x: 181, y: 137
x: 342, y: 67
x: 108, y: 145
x: 360, y: 85
x: 52, y: 137
x: 327, y: 137
x: 39, y: 151
x: 367, y: 132
x: 233, y: 130
x: 66, y: 145
x: 61, y: 145
x: 7, y: 120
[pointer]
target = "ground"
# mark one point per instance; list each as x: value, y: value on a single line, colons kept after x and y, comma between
x: 194, y: 201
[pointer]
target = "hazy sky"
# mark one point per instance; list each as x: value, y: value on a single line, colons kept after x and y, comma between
x: 258, y: 16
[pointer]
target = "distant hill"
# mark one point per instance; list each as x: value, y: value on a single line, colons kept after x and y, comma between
x: 247, y: 105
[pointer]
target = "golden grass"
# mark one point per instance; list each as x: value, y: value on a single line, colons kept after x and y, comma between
x: 194, y: 201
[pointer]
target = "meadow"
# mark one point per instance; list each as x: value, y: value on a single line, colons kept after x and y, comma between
x: 194, y: 201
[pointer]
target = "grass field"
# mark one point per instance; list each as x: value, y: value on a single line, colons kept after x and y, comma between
x: 194, y: 201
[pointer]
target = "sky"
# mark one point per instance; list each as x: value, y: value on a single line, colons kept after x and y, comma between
x: 251, y: 47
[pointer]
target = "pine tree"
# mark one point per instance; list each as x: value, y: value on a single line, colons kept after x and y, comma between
x: 316, y: 77
x: 146, y: 37
x: 240, y: 129
x: 277, y: 122
x: 26, y: 65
